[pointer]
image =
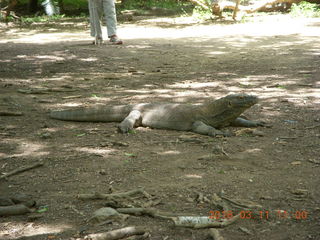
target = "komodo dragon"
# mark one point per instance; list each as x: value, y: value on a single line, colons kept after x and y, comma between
x: 204, y: 118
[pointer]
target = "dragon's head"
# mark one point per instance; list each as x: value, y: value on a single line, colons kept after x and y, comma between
x: 240, y: 100
x: 225, y: 110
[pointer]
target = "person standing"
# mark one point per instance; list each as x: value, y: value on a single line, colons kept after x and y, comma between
x: 97, y: 8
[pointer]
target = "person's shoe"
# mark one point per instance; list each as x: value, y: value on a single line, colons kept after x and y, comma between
x: 115, y: 40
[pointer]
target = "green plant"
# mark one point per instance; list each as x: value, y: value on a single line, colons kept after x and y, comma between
x: 200, y: 13
x: 141, y: 5
x: 42, y: 19
x: 305, y: 9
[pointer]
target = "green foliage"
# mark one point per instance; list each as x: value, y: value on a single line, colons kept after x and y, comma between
x: 175, y: 5
x: 147, y: 4
x: 200, y: 13
x: 305, y: 9
x: 41, y: 19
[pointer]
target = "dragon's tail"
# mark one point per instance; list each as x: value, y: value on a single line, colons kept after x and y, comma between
x: 97, y: 114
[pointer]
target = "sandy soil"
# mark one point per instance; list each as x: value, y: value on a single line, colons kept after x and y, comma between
x: 163, y: 60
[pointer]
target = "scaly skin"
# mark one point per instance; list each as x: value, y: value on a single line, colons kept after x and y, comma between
x: 204, y: 119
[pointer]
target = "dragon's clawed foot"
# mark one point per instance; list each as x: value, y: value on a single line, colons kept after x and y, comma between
x: 125, y: 127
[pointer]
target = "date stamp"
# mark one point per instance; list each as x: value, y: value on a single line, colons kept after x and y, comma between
x: 262, y: 215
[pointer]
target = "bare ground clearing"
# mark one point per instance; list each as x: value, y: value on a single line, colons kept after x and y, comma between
x: 164, y: 60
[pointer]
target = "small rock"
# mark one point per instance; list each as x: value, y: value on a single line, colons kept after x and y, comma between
x: 245, y: 230
x: 258, y: 133
x: 105, y: 214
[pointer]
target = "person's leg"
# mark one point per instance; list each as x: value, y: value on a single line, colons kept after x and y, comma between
x: 95, y: 11
x: 111, y: 20
x: 109, y: 11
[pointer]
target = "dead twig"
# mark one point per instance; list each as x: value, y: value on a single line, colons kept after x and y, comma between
x: 311, y: 127
x: 144, y: 211
x: 43, y: 90
x: 117, y: 234
x: 202, y: 222
x: 22, y: 169
x: 242, y: 205
x: 18, y: 209
x: 224, y: 152
x: 8, y: 113
x: 96, y: 196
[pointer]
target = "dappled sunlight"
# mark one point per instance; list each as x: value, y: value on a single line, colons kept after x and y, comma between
x: 253, y: 150
x: 17, y: 230
x: 270, y: 38
x: 69, y: 104
x: 89, y: 59
x: 194, y: 84
x: 285, y: 25
x: 44, y: 38
x: 177, y: 28
x: 186, y: 63
x: 171, y: 152
x: 193, y: 176
x: 53, y: 58
x: 101, y: 152
x: 25, y: 148
x: 217, y: 53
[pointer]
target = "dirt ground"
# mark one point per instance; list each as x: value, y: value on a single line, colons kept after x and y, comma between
x: 49, y: 66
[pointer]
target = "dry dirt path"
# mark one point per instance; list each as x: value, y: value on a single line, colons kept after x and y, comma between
x: 165, y: 60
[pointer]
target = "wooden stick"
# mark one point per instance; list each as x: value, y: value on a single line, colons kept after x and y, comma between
x: 108, y: 196
x: 117, y: 234
x: 144, y: 211
x: 7, y: 113
x: 18, y: 209
x: 202, y: 222
x: 22, y: 169
x: 315, y: 126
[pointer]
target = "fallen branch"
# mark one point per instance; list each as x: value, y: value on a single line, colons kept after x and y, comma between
x: 18, y: 209
x: 202, y: 222
x: 242, y: 205
x: 22, y: 169
x: 117, y: 234
x: 96, y: 196
x: 311, y: 127
x: 43, y: 90
x: 144, y: 211
x: 8, y: 113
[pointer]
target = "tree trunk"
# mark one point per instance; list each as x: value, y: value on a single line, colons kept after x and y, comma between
x: 61, y: 6
x: 33, y: 6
